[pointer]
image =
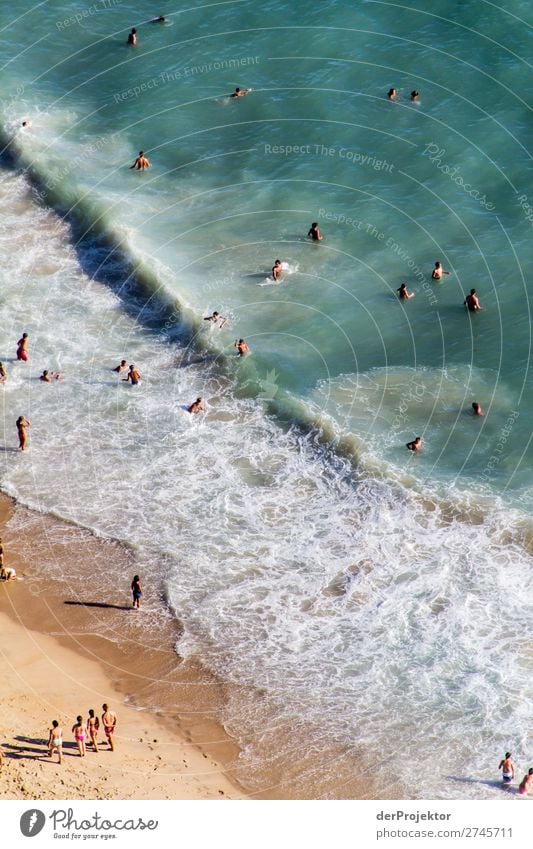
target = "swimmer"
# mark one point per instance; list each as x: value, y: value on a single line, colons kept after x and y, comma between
x: 133, y: 375
x: 25, y: 124
x: 22, y: 425
x: 415, y: 445
x: 239, y: 92
x: 415, y: 95
x: 477, y: 409
x: 403, y: 294
x: 276, y: 270
x: 122, y: 367
x: 79, y: 729
x: 141, y: 163
x: 196, y: 406
x: 216, y: 318
x: 314, y: 232
x: 438, y: 271
x: 137, y: 591
x: 507, y: 767
x: 242, y: 347
x: 55, y: 740
x: 132, y: 37
x: 393, y: 94
x: 22, y: 348
x: 472, y: 302
x: 527, y: 783
x: 160, y: 20
x: 3, y: 373
x: 45, y: 377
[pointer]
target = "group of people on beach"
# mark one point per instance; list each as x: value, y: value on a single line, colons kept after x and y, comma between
x: 85, y: 732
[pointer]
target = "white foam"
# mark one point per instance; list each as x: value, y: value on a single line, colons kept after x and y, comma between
x: 381, y: 623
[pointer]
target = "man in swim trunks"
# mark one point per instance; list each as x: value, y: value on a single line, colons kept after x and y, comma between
x: 415, y: 445
x: 314, y: 232
x: 196, y: 406
x: 122, y: 367
x: 276, y: 270
x: 22, y: 347
x: 526, y: 785
x: 133, y: 375
x: 438, y: 271
x: 109, y: 721
x: 507, y: 767
x: 141, y: 163
x: 472, y: 302
x: 55, y: 741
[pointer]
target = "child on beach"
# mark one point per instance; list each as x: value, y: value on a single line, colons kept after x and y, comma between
x: 55, y: 740
x: 136, y: 589
x: 79, y: 729
x: 93, y: 724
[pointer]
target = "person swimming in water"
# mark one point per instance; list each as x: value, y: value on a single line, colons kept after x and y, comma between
x: 403, y: 294
x: 392, y: 94
x: 415, y: 95
x: 472, y: 302
x: 133, y: 375
x: 196, y: 406
x: 415, y: 445
x: 217, y: 319
x: 239, y: 92
x: 276, y: 270
x: 438, y: 271
x: 132, y: 37
x: 121, y: 367
x: 477, y: 409
x: 160, y: 20
x: 141, y: 163
x: 314, y: 232
x: 242, y: 347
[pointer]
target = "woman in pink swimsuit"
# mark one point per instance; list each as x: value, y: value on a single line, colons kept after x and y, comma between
x: 80, y: 733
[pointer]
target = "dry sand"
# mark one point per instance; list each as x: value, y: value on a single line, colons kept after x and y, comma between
x: 174, y: 751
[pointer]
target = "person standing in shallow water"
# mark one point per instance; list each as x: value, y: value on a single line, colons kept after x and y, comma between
x: 314, y: 232
x: 137, y: 591
x: 22, y: 425
x: 22, y: 348
x: 141, y: 163
x: 507, y: 767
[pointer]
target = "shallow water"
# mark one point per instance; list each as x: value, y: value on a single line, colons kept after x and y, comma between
x: 341, y: 579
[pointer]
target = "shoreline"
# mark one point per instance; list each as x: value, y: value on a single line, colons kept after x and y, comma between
x: 55, y: 666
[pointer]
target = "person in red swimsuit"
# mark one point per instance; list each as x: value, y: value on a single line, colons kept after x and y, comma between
x: 22, y: 348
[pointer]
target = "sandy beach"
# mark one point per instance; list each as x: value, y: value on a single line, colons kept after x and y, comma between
x: 53, y: 667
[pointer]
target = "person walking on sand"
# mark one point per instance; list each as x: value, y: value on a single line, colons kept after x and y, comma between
x: 133, y: 375
x: 22, y: 348
x: 79, y: 729
x: 55, y: 741
x: 438, y: 271
x: 137, y: 591
x: 507, y: 767
x: 109, y: 721
x: 22, y: 425
x: 93, y: 724
x: 141, y: 163
x: 472, y: 302
x: 526, y: 785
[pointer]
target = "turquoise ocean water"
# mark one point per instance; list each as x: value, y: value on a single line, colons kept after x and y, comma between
x: 372, y: 595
